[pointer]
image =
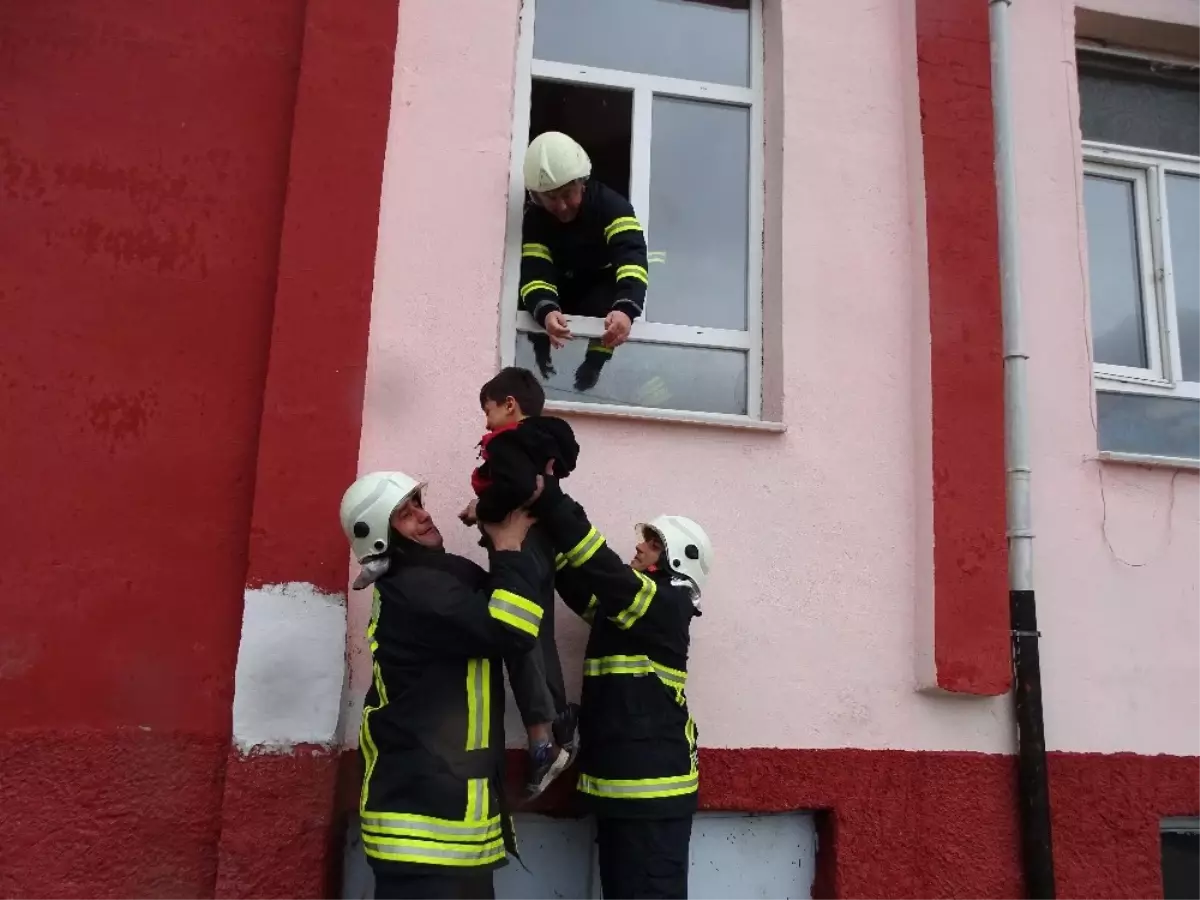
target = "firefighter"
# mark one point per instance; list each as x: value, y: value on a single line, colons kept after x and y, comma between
x: 582, y: 253
x: 638, y: 762
x: 434, y: 821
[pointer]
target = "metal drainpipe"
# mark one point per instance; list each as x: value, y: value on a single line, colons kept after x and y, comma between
x: 1032, y: 783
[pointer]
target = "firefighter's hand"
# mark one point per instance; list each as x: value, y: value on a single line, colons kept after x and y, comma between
x: 557, y: 328
x: 467, y: 516
x: 616, y: 329
x: 509, y: 534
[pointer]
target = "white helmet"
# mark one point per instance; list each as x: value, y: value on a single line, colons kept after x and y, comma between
x: 367, y: 508
x: 554, y: 159
x: 688, y: 550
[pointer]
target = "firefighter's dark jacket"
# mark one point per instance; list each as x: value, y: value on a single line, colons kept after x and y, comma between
x: 432, y: 733
x: 638, y: 754
x: 604, y: 240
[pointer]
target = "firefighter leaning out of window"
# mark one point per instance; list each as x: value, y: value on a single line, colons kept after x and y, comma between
x: 582, y: 253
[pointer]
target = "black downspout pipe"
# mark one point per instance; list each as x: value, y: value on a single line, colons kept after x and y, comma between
x: 1033, y: 782
x: 1033, y: 788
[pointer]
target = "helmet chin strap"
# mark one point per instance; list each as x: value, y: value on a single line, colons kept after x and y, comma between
x: 372, y: 570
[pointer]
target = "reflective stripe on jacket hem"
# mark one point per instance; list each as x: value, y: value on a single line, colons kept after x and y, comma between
x: 639, y: 788
x: 634, y: 665
x: 430, y: 853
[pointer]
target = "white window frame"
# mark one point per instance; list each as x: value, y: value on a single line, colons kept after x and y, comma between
x: 1148, y: 170
x: 514, y: 321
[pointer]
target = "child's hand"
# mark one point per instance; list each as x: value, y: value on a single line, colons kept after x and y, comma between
x: 467, y: 516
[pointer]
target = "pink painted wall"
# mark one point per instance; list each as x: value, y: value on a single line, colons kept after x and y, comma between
x: 811, y: 605
x: 1117, y: 602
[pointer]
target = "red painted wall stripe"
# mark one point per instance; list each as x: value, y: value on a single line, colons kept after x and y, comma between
x: 897, y: 823
x: 971, y: 641
x: 143, y: 157
x: 312, y: 409
x: 277, y: 836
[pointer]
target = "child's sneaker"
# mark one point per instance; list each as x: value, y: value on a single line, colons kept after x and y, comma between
x: 546, y: 762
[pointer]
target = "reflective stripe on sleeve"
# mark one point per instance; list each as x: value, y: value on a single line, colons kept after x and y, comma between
x: 618, y: 225
x: 627, y: 617
x: 532, y: 286
x: 515, y: 611
x: 585, y: 549
x: 632, y: 271
x: 537, y: 251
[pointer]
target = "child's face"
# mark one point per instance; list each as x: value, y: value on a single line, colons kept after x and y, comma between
x: 500, y: 414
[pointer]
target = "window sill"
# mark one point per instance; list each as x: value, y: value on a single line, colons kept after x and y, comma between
x: 1107, y: 383
x: 669, y: 416
x: 1142, y: 459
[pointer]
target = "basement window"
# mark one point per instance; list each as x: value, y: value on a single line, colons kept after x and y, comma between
x: 1181, y: 858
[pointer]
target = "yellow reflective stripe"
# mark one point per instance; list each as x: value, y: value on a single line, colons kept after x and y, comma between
x: 635, y: 665
x: 537, y: 251
x: 430, y: 853
x: 515, y: 611
x: 477, y: 799
x: 639, y: 788
x: 370, y: 751
x: 624, y: 223
x: 431, y: 829
x: 632, y: 271
x: 589, y: 614
x: 597, y: 347
x: 618, y: 665
x: 585, y: 549
x: 376, y: 602
x: 627, y: 617
x: 532, y: 286
x: 479, y: 703
x: 560, y: 562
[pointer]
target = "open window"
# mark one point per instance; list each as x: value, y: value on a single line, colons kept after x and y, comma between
x: 1141, y: 130
x: 666, y: 97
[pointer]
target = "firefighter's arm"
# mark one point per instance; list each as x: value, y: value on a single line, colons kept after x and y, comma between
x: 454, y: 620
x: 514, y: 479
x: 627, y: 253
x: 539, y: 276
x: 623, y: 595
x: 575, y: 593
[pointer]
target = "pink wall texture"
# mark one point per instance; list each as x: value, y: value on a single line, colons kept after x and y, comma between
x: 1116, y: 568
x: 813, y: 595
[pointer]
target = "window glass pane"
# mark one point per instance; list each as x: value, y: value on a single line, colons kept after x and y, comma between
x: 659, y: 376
x: 601, y: 119
x: 1183, y: 212
x: 692, y: 39
x: 699, y: 213
x: 1181, y: 864
x: 1142, y: 423
x: 1124, y: 103
x: 1118, y: 326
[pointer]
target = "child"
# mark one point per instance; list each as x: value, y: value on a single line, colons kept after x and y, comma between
x: 519, y: 445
